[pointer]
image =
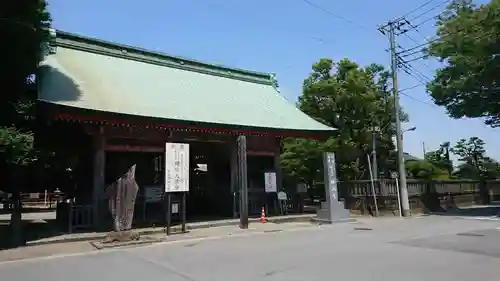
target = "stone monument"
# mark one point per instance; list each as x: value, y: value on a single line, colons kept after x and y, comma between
x: 332, y: 210
x: 121, y: 195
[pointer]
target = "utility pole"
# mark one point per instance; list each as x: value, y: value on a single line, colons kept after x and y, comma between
x: 375, y: 131
x: 423, y: 148
x: 390, y: 28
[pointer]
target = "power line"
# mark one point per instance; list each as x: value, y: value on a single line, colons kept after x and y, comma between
x: 428, y: 42
x: 419, y: 72
x: 422, y: 81
x: 488, y: 34
x: 420, y: 101
x: 414, y: 59
x: 415, y: 41
x: 414, y: 10
x: 329, y: 12
x: 419, y: 46
x: 417, y: 75
x: 410, y: 54
x: 415, y: 27
x: 410, y: 73
x: 219, y: 6
x: 406, y: 66
x: 431, y: 9
x: 404, y: 18
x: 412, y: 87
x: 427, y: 20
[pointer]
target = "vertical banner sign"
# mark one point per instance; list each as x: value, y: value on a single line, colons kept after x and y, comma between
x: 176, y: 167
x: 270, y: 182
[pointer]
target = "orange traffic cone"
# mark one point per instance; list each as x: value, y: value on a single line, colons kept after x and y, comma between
x: 263, y: 216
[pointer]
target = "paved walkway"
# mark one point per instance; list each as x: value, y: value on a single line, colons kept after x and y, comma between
x: 68, y: 248
x: 428, y: 248
x: 86, y: 236
x: 45, y: 250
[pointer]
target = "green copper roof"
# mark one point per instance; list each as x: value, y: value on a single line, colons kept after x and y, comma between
x: 92, y: 74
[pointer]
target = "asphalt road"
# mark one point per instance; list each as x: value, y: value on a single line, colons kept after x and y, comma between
x: 429, y: 248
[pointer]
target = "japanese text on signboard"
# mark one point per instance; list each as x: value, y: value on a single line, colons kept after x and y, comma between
x: 270, y: 182
x: 176, y: 167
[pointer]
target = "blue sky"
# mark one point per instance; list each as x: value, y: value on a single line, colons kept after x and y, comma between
x: 281, y: 36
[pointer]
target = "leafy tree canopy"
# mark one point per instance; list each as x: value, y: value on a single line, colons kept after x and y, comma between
x: 474, y: 164
x: 352, y: 99
x: 468, y: 43
x: 441, y: 158
x: 422, y: 169
x: 23, y: 28
x: 23, y: 25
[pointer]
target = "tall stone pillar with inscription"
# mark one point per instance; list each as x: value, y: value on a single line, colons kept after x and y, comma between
x: 332, y: 209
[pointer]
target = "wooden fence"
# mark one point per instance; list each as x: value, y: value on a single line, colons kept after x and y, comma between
x: 424, y: 196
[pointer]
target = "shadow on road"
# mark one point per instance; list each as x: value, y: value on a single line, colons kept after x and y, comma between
x: 473, y: 211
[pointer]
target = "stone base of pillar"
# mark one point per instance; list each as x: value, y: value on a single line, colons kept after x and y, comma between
x: 332, y: 214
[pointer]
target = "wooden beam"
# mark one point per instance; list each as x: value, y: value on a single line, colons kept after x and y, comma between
x: 260, y: 153
x: 134, y: 148
x: 153, y: 134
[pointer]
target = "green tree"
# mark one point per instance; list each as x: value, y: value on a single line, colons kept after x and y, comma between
x: 422, y: 169
x: 467, y: 42
x: 474, y: 164
x: 307, y: 168
x: 24, y: 27
x: 441, y: 158
x: 352, y: 99
x: 470, y: 151
x: 489, y: 169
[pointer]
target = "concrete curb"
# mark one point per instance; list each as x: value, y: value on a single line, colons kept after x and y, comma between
x: 174, y: 229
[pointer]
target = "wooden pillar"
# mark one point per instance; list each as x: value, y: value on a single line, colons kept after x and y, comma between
x: 277, y: 165
x: 241, y: 144
x: 98, y: 178
x: 279, y: 172
x: 234, y: 176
